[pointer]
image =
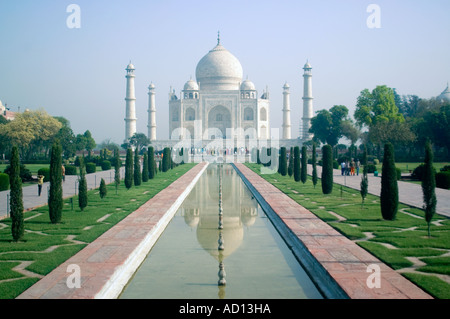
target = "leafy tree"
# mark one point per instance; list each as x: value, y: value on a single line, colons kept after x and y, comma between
x: 82, y: 186
x: 389, y: 187
x: 428, y: 186
x: 137, y: 169
x: 327, y: 126
x: 138, y: 141
x: 304, y: 168
x: 90, y: 142
x: 314, y: 165
x: 282, y: 166
x: 291, y: 162
x: 327, y: 169
x: 103, y: 191
x: 151, y: 163
x: 129, y: 169
x: 377, y: 106
x: 16, y: 198
x: 297, y: 164
x: 145, y: 175
x: 55, y: 197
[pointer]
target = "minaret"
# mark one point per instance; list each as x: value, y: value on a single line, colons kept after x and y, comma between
x: 307, y: 103
x: 130, y: 113
x: 151, y: 113
x: 286, y: 113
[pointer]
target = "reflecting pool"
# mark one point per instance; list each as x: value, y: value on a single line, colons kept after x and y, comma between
x: 201, y: 240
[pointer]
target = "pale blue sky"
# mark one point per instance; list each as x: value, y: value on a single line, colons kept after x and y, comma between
x: 80, y: 73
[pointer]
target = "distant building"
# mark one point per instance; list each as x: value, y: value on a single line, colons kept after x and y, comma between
x: 445, y: 95
x: 6, y: 113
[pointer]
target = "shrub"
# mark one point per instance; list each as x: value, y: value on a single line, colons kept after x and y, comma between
x: 103, y: 190
x: 71, y: 170
x: 90, y: 168
x: 446, y: 168
x: 314, y: 165
x: 335, y: 165
x: 4, y: 182
x: 418, y: 172
x: 145, y: 168
x: 389, y: 187
x: 25, y: 173
x: 443, y: 180
x: 399, y: 173
x: 82, y: 187
x: 45, y: 171
x: 428, y: 186
x: 106, y: 165
x: 327, y: 169
x: 151, y: 162
x: 166, y: 160
x: 291, y: 162
x: 371, y: 168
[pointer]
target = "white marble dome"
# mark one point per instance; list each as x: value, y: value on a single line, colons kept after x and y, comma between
x: 191, y: 85
x: 219, y: 70
x: 248, y: 85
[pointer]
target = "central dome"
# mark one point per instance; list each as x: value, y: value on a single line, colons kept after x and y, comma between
x: 219, y: 70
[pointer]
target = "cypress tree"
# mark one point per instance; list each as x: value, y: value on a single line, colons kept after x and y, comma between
x: 327, y: 169
x: 297, y: 164
x: 55, y: 196
x: 428, y: 186
x: 137, y: 169
x: 103, y: 190
x: 314, y: 165
x: 291, y: 162
x: 282, y: 166
x: 82, y: 186
x: 16, y: 196
x: 364, y: 179
x: 151, y: 163
x: 117, y: 166
x: 129, y: 169
x: 389, y: 187
x: 145, y: 176
x: 166, y: 165
x: 304, y: 168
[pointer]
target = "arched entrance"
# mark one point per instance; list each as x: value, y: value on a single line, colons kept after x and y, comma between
x: 219, y: 117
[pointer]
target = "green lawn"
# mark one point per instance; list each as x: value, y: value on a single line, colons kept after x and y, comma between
x: 406, y: 167
x: 76, y: 227
x: 393, y: 241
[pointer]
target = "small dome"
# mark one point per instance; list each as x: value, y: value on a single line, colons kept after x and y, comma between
x: 130, y: 66
x: 248, y: 85
x: 307, y: 66
x: 286, y: 86
x: 445, y: 95
x: 191, y: 85
x: 151, y: 86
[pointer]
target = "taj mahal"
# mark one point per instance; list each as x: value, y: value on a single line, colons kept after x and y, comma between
x: 219, y: 105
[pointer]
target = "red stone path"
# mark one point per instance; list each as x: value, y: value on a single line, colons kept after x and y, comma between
x: 107, y: 263
x: 345, y: 261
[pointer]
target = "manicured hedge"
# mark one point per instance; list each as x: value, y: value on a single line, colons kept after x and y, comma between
x: 90, y: 168
x: 4, y: 182
x: 106, y: 165
x: 46, y: 172
x: 443, y: 179
x: 71, y: 170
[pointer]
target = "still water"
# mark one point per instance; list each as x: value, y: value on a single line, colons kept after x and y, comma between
x: 185, y: 261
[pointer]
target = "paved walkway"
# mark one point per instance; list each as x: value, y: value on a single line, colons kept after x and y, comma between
x: 340, y: 260
x: 31, y: 199
x: 108, y: 263
x: 408, y: 193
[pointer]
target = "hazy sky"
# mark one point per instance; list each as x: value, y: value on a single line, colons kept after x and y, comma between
x: 79, y: 73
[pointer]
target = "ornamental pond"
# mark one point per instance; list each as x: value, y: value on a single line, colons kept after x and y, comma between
x: 220, y: 244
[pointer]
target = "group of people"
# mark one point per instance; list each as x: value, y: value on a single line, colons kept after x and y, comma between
x: 350, y: 168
